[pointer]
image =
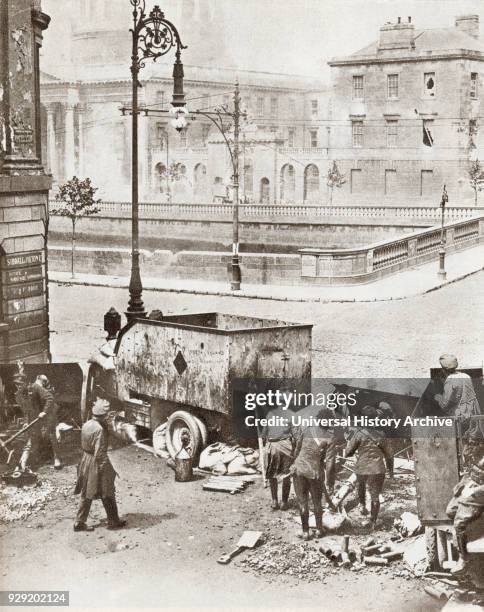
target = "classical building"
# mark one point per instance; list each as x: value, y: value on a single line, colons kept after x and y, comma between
x: 87, y: 135
x: 24, y: 187
x: 406, y: 112
x: 400, y: 119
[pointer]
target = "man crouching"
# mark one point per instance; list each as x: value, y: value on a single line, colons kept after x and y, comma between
x: 95, y: 473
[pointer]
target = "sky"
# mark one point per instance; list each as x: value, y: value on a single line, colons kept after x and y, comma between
x: 295, y: 36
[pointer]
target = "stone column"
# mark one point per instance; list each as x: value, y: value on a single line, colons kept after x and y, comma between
x: 69, y: 155
x: 51, y: 149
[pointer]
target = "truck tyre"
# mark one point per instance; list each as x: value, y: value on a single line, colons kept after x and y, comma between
x: 432, y: 549
x: 178, y: 423
x: 203, y: 431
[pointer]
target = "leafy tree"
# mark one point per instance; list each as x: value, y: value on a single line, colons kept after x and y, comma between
x: 334, y: 179
x: 476, y: 178
x: 76, y: 200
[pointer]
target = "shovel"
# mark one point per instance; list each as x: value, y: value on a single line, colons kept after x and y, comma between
x: 248, y: 540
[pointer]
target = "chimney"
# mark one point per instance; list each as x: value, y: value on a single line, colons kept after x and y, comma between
x: 469, y: 24
x: 398, y: 35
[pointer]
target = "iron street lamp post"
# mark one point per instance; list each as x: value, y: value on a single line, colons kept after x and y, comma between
x: 443, y: 202
x: 153, y: 37
x: 217, y: 117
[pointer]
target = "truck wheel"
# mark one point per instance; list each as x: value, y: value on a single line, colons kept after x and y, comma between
x: 432, y: 549
x: 203, y: 431
x: 179, y: 423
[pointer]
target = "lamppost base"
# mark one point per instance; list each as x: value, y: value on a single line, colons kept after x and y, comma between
x: 236, y: 274
x: 442, y: 275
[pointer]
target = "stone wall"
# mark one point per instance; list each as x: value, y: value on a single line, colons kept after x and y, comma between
x: 200, y: 265
x: 211, y: 235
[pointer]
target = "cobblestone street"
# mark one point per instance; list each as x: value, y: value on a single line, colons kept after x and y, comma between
x: 401, y: 338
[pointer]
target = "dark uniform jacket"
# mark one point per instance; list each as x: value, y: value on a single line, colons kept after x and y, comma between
x: 95, y: 473
x: 372, y: 449
x: 42, y: 400
x: 311, y: 444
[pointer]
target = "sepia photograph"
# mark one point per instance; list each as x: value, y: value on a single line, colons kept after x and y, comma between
x: 242, y: 305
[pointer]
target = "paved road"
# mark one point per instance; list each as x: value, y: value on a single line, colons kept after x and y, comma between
x: 166, y: 558
x: 388, y: 339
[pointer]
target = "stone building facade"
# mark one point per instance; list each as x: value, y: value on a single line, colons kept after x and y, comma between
x: 405, y: 112
x: 86, y: 134
x: 24, y: 187
x: 400, y: 119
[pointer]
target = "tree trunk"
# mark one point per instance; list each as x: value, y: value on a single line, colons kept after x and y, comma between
x: 73, y: 246
x: 331, y: 196
x: 475, y: 197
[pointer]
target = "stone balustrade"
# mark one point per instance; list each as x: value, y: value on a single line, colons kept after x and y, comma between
x: 301, y: 212
x: 359, y: 265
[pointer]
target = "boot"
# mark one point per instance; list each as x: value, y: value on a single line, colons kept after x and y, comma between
x: 363, y: 510
x: 375, y: 509
x: 463, y: 562
x: 82, y: 527
x: 114, y: 522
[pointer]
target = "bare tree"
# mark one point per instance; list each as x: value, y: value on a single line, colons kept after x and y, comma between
x: 334, y: 179
x: 476, y: 178
x: 76, y: 199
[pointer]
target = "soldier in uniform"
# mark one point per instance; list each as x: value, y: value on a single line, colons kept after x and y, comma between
x: 95, y: 473
x: 370, y: 464
x: 308, y: 473
x: 465, y: 507
x: 43, y: 406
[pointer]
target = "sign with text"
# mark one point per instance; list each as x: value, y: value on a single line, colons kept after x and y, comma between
x: 19, y: 260
x: 16, y: 292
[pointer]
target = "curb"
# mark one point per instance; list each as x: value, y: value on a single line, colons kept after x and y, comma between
x: 255, y: 296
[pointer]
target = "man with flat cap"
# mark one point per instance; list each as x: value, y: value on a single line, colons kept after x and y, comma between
x: 459, y: 399
x: 95, y: 473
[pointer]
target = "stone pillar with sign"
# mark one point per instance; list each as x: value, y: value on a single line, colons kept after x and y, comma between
x: 24, y: 186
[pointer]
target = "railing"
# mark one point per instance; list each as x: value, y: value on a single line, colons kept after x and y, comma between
x: 363, y: 264
x: 314, y: 212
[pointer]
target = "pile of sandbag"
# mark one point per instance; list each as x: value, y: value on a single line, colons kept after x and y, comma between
x: 220, y: 458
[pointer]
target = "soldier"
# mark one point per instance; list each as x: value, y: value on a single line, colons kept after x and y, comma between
x: 43, y: 406
x: 308, y: 473
x: 370, y: 464
x: 459, y: 399
x: 465, y: 507
x: 95, y: 473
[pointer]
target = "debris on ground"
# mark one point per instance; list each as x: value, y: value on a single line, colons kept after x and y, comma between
x: 415, y: 555
x: 408, y: 525
x: 277, y: 557
x: 221, y: 458
x: 20, y: 503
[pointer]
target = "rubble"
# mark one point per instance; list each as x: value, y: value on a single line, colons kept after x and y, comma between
x: 20, y: 503
x: 276, y: 557
x: 408, y: 525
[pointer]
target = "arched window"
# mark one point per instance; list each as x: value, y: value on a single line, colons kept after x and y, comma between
x: 311, y: 182
x: 288, y: 183
x: 200, y: 181
x: 265, y: 191
x: 161, y: 178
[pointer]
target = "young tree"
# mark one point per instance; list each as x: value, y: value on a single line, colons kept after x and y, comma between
x: 334, y: 179
x: 76, y: 200
x: 476, y: 178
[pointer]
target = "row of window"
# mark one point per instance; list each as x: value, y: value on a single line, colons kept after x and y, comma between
x: 392, y: 132
x: 429, y: 86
